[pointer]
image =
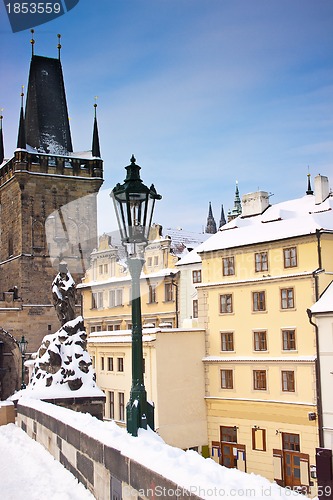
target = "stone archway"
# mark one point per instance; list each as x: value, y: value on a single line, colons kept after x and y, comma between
x: 10, y: 365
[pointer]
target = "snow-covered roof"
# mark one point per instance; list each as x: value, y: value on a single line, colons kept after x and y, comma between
x: 121, y: 336
x: 325, y: 303
x: 162, y: 273
x: 284, y: 220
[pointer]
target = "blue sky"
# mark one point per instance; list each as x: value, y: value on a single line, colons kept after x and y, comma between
x: 203, y: 92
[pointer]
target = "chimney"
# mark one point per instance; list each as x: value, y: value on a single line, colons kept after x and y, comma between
x: 321, y: 188
x: 254, y: 203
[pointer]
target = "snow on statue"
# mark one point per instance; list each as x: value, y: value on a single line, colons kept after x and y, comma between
x: 63, y: 364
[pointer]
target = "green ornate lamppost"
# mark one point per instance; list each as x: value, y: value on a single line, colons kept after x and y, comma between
x: 23, y: 349
x: 134, y: 205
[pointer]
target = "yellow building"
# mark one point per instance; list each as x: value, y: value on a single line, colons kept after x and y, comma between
x: 260, y: 274
x: 174, y: 377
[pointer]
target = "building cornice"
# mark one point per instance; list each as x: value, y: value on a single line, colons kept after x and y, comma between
x: 305, y: 274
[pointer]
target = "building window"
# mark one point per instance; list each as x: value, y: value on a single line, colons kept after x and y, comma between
x: 110, y: 364
x: 92, y: 329
x: 288, y: 381
x: 228, y: 266
x: 260, y: 341
x: 102, y: 363
x: 149, y: 261
x: 196, y: 276
x: 168, y: 291
x: 227, y: 379
x: 195, y: 308
x: 258, y: 439
x: 226, y: 303
x: 100, y: 269
x: 156, y: 260
x: 106, y: 268
x: 227, y: 341
x: 121, y: 397
x: 290, y: 441
x: 120, y: 362
x: 259, y: 380
x: 151, y: 294
x: 289, y: 340
x: 116, y: 297
x: 96, y: 300
x: 259, y: 301
x: 113, y: 327
x: 261, y: 261
x: 287, y: 298
x: 290, y: 257
x: 111, y: 405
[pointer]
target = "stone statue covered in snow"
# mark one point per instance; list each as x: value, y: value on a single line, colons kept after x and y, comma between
x: 63, y: 293
x: 63, y: 363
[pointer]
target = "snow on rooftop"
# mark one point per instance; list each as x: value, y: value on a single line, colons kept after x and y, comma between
x: 188, y: 469
x: 325, y: 303
x: 287, y: 219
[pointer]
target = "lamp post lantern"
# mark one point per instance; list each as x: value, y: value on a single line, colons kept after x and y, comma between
x: 23, y: 348
x: 134, y: 205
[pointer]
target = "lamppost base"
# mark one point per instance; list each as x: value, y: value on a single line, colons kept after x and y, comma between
x: 138, y: 418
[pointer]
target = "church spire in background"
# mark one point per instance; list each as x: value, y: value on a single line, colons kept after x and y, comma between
x: 222, y: 218
x: 21, y: 139
x: 95, y: 151
x: 237, y: 210
x: 309, y: 190
x: 211, y: 224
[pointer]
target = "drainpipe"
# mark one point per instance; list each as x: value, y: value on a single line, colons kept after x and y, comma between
x: 318, y: 383
x: 318, y: 233
x: 172, y: 275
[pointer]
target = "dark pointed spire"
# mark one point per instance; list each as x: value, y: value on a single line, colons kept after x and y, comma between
x: 21, y: 140
x: 211, y: 224
x: 95, y: 151
x: 2, y: 150
x: 46, y: 114
x: 222, y: 218
x: 309, y: 190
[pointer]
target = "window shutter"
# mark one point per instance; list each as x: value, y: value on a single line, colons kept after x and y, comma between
x: 278, y: 466
x: 304, y: 466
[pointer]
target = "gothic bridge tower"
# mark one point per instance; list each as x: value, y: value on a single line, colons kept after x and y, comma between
x: 48, y: 207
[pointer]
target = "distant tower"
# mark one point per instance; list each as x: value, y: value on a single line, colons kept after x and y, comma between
x: 211, y: 224
x: 222, y: 218
x: 48, y: 200
x: 237, y: 210
x: 309, y: 190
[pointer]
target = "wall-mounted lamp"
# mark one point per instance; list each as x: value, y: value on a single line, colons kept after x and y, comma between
x: 312, y: 416
x: 313, y: 471
x: 256, y: 427
x: 278, y: 432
